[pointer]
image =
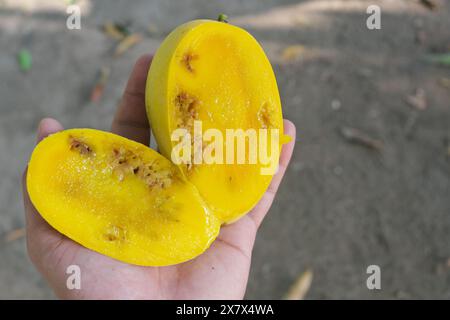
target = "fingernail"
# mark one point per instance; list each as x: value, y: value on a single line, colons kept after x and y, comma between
x: 41, y: 131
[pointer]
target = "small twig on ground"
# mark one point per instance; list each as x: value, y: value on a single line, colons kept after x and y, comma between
x: 356, y: 136
x: 14, y: 235
x: 127, y: 43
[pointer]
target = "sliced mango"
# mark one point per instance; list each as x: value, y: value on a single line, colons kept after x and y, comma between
x: 122, y: 199
x: 217, y: 74
x: 118, y: 197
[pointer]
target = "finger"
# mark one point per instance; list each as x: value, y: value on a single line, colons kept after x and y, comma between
x: 241, y: 234
x: 258, y: 213
x: 33, y: 219
x: 130, y: 119
x: 40, y: 236
x: 46, y: 127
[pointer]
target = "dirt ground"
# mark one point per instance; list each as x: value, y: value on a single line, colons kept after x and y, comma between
x: 342, y: 206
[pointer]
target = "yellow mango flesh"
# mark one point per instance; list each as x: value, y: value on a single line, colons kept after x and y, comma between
x: 119, y: 198
x: 218, y: 74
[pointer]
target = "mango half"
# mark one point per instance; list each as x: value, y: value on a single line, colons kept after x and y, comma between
x: 118, y: 197
x: 218, y: 75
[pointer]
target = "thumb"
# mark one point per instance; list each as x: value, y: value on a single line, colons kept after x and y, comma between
x: 46, y: 127
x: 37, y: 229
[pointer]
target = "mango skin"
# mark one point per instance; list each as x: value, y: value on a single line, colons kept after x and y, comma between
x: 81, y: 185
x: 224, y: 70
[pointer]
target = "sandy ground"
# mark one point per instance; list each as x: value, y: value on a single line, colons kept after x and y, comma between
x: 342, y: 206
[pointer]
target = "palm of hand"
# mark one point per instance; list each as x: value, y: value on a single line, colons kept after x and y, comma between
x: 219, y: 273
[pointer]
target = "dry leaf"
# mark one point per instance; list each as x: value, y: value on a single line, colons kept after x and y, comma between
x: 111, y: 30
x: 418, y: 100
x: 127, y: 43
x: 15, y: 235
x: 291, y: 53
x: 300, y: 287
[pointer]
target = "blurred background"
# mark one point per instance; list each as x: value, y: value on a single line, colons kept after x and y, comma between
x: 369, y: 182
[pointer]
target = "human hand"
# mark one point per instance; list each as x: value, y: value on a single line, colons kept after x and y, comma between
x: 221, y: 272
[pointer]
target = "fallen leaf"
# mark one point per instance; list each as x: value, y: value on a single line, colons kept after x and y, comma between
x: 15, y: 235
x: 300, y: 287
x: 99, y: 87
x: 418, y: 100
x: 127, y: 43
x: 292, y: 53
x: 25, y: 60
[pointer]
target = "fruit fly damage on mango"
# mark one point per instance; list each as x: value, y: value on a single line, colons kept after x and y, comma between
x: 125, y: 200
